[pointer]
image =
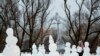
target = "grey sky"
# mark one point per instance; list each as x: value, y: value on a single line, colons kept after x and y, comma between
x: 57, y: 6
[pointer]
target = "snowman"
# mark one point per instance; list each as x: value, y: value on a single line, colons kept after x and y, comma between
x: 79, y: 49
x: 11, y: 48
x: 34, y: 50
x: 52, y: 47
x: 74, y: 51
x: 67, y: 49
x: 86, y: 50
x: 98, y: 51
x: 80, y: 46
x: 41, y: 51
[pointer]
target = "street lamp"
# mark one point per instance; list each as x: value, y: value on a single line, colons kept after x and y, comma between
x: 59, y: 40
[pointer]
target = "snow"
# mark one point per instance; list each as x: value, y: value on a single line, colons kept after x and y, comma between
x: 74, y: 51
x: 11, y: 49
x: 34, y: 50
x: 98, y: 51
x: 86, y: 50
x: 52, y: 47
x: 67, y: 49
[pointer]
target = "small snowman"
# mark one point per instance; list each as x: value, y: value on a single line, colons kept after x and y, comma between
x: 80, y: 46
x: 41, y: 51
x: 11, y: 48
x: 79, y: 49
x: 67, y: 49
x: 74, y: 51
x: 28, y: 54
x: 34, y: 50
x: 52, y: 47
x: 98, y: 51
x: 86, y: 50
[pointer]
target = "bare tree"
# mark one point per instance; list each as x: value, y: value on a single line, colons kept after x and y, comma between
x: 34, y: 11
x: 34, y: 17
x: 83, y: 25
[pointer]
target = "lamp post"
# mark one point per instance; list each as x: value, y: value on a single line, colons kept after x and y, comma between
x: 59, y: 40
x: 56, y: 18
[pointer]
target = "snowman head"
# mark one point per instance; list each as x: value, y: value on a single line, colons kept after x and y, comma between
x: 68, y: 44
x: 34, y: 46
x: 74, y: 46
x: 86, y: 44
x: 51, y: 39
x: 9, y: 32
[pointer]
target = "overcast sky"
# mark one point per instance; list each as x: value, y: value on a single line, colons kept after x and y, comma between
x: 57, y: 6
